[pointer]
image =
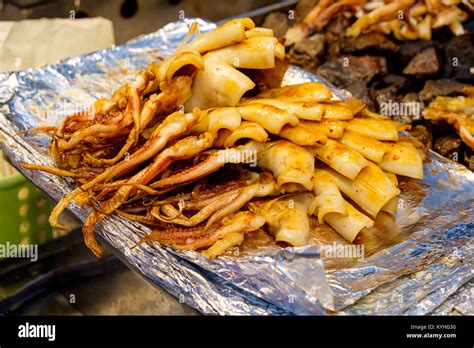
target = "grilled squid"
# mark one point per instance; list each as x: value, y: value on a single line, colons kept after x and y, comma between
x: 198, y: 237
x: 219, y: 83
x: 172, y: 149
x: 288, y: 218
x: 303, y: 136
x: 185, y: 62
x: 333, y: 209
x: 269, y: 117
x: 253, y: 53
x: 371, y: 190
x: 370, y: 148
x: 304, y: 92
x: 404, y: 159
x: 247, y: 130
x: 349, y: 225
x: 227, y: 34
x: 213, y: 120
x: 341, y: 158
x: 328, y: 196
x: 303, y: 110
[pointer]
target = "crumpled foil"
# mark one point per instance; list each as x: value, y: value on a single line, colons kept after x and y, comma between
x: 429, y: 262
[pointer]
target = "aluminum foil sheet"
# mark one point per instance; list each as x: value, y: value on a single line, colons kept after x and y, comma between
x: 413, y: 266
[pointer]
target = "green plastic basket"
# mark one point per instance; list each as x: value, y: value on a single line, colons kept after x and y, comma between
x: 24, y: 212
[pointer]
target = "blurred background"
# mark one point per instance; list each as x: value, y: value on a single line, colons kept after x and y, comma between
x: 130, y: 17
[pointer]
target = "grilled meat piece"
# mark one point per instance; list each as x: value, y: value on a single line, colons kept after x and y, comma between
x: 433, y: 88
x: 306, y: 52
x: 395, y: 80
x: 449, y: 146
x: 424, y: 63
x: 370, y: 41
x: 423, y: 134
x: 383, y: 96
